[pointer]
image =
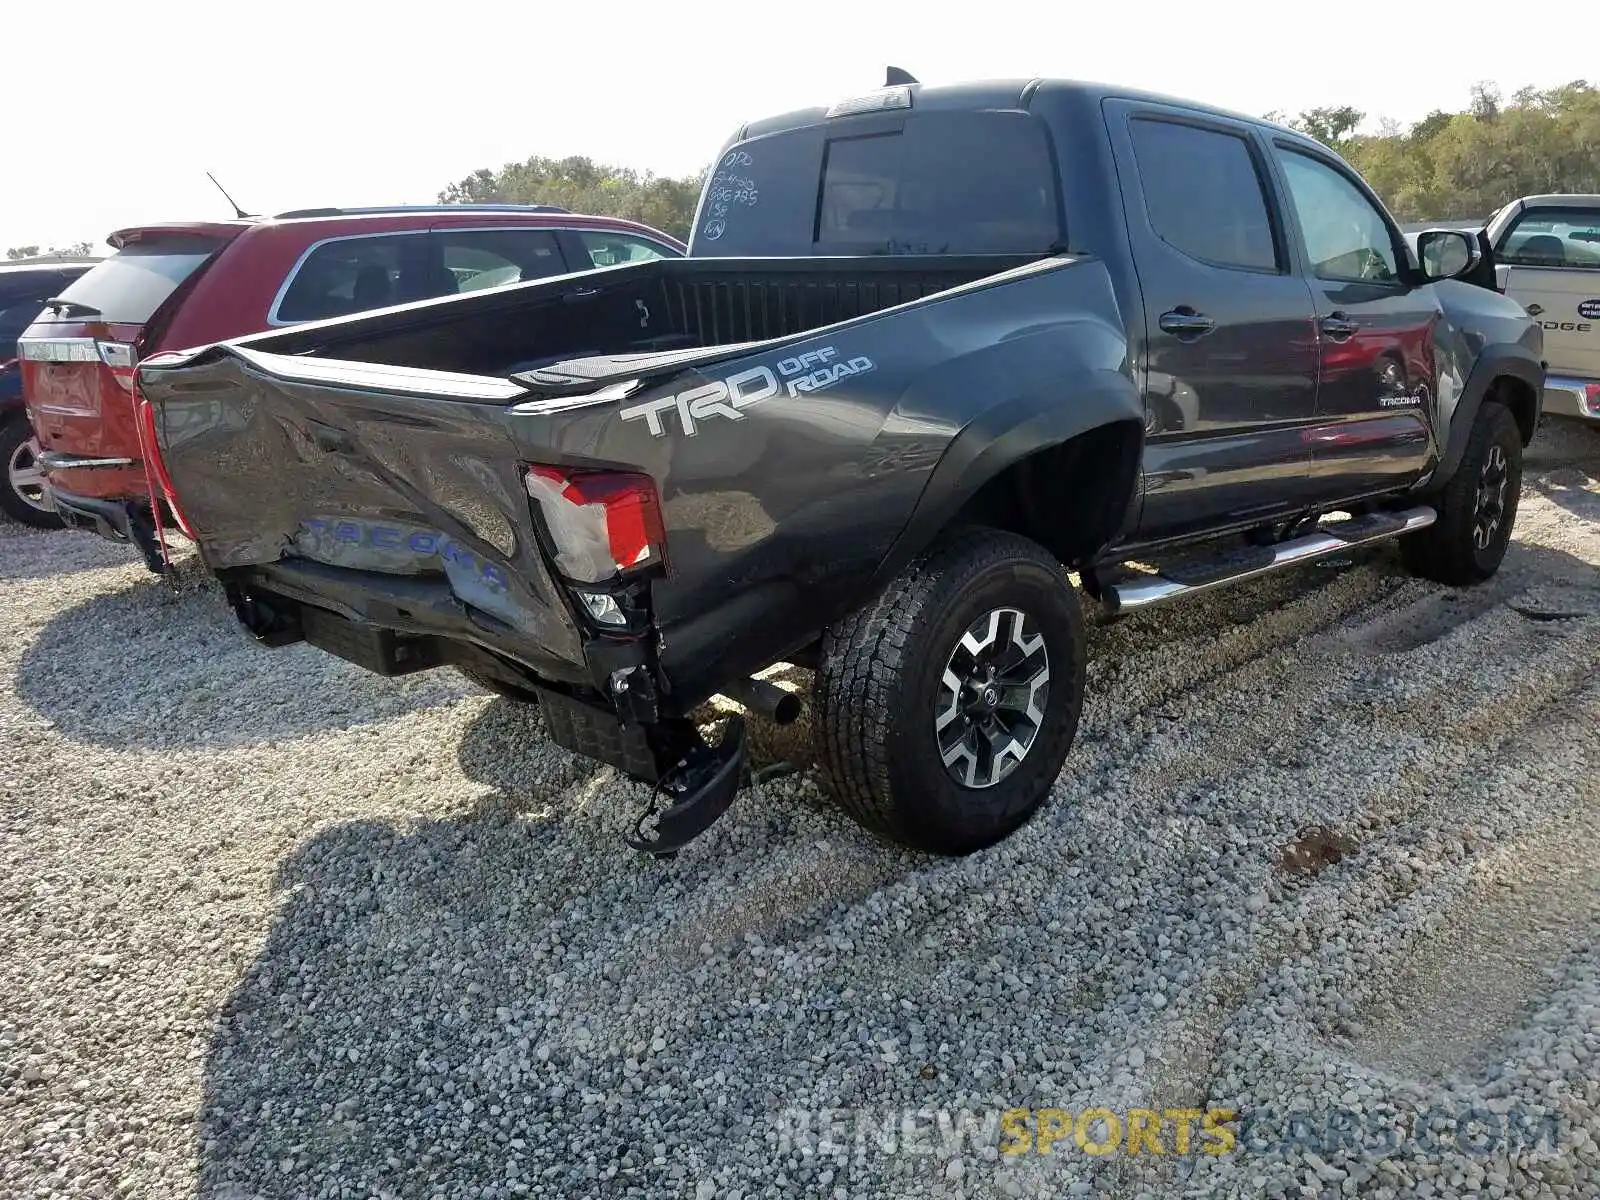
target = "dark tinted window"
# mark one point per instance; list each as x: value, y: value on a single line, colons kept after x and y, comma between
x: 935, y: 183
x: 351, y: 275
x: 1203, y: 194
x: 483, y: 258
x: 135, y: 281
x: 14, y: 318
x: 949, y: 183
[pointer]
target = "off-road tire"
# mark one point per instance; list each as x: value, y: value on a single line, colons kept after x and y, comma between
x: 15, y: 432
x: 508, y: 690
x: 1446, y: 551
x: 878, y: 688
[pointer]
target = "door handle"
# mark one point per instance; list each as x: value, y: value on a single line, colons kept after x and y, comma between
x: 577, y: 294
x: 1338, y: 327
x: 1185, y: 324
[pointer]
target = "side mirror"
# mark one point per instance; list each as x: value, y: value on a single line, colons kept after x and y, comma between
x: 1447, y: 253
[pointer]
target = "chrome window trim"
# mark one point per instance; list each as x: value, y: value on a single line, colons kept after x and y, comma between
x: 288, y: 280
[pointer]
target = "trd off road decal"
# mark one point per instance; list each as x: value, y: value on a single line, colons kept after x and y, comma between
x: 813, y: 371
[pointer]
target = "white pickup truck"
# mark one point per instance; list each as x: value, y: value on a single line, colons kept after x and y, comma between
x: 1547, y: 256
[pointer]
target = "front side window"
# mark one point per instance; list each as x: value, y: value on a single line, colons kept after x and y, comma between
x: 1204, y: 195
x: 1553, y: 237
x: 1347, y: 238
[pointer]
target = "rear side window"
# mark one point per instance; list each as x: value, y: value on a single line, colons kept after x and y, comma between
x: 614, y: 249
x: 1554, y: 237
x: 482, y: 258
x: 136, y: 280
x: 351, y: 275
x: 1203, y: 194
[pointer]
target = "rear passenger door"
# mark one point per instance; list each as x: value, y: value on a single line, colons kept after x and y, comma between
x: 1226, y: 350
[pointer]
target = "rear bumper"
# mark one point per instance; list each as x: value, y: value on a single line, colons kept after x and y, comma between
x: 115, y: 520
x: 1568, y: 396
x: 606, y: 709
x: 57, y: 460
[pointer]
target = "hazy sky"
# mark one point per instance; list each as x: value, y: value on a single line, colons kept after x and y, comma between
x: 121, y: 108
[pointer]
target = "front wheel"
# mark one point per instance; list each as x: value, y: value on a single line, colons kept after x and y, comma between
x: 22, y: 494
x: 1477, y: 508
x: 947, y: 705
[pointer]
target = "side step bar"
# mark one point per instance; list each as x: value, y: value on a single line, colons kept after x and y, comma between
x: 1203, y: 575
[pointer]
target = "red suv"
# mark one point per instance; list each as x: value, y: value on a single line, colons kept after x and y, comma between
x: 190, y: 283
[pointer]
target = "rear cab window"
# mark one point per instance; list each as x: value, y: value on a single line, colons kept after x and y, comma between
x: 944, y: 182
x: 133, y: 283
x: 1553, y: 237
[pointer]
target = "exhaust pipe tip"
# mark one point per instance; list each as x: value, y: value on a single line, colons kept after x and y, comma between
x: 765, y: 698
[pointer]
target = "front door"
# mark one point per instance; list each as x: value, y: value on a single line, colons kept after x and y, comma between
x: 1227, y: 352
x: 1377, y: 325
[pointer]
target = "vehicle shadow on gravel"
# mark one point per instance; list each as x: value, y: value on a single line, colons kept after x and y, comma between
x: 1574, y: 489
x: 477, y: 981
x: 146, y: 666
x: 44, y: 554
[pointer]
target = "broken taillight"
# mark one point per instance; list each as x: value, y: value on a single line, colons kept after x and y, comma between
x: 601, y: 522
x: 120, y: 359
x: 150, y: 451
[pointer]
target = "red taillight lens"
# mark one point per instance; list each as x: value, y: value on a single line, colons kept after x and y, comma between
x: 150, y: 449
x: 1591, y: 397
x: 601, y: 522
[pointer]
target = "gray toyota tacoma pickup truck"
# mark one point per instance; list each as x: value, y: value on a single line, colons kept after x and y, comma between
x: 935, y: 351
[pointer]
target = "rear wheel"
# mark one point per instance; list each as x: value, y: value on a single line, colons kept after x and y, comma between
x: 23, y: 495
x: 1477, y: 508
x: 948, y: 704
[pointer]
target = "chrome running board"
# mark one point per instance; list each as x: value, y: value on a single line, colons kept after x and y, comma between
x: 1203, y: 575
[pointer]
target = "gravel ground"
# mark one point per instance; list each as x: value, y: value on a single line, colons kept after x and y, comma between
x: 1325, y: 854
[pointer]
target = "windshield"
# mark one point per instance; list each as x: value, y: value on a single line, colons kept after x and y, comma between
x: 131, y: 284
x: 933, y: 183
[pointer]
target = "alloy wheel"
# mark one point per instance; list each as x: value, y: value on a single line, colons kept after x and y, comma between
x: 25, y: 478
x: 992, y: 698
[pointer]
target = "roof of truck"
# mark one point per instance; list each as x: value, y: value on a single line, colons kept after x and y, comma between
x: 1002, y: 94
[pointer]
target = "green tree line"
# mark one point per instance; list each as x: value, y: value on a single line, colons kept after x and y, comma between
x: 76, y: 250
x: 1467, y: 164
x: 1449, y: 165
x: 583, y: 185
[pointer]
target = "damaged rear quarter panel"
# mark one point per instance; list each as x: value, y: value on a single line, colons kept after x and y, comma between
x: 800, y: 465
x: 268, y: 469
